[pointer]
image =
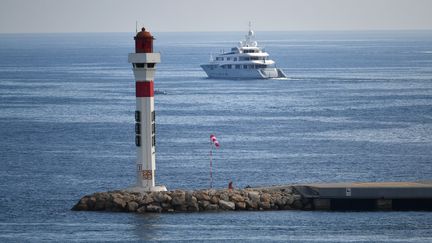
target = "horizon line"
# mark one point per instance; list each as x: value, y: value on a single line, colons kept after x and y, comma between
x: 224, y: 31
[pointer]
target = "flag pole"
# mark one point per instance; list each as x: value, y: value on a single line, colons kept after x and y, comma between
x: 211, y: 165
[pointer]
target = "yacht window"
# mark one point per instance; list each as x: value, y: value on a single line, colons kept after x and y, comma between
x: 228, y: 58
x: 245, y: 66
x: 237, y: 66
x: 229, y: 66
x: 235, y: 58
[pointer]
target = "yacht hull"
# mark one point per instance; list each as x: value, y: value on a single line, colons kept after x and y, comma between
x: 213, y: 71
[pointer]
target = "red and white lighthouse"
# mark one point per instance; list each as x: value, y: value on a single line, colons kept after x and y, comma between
x: 144, y: 62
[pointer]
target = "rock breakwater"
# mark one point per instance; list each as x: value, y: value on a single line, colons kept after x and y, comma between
x: 253, y: 199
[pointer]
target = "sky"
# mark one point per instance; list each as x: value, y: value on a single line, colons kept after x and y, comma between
x: 51, y: 16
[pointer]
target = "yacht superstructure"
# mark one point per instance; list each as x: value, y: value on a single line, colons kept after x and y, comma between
x: 245, y: 61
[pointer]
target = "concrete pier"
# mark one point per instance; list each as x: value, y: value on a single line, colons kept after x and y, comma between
x: 369, y: 195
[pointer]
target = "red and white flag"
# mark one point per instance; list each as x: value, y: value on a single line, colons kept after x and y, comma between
x: 214, y: 140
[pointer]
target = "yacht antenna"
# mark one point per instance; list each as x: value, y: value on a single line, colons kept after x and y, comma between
x: 136, y: 26
x: 250, y: 26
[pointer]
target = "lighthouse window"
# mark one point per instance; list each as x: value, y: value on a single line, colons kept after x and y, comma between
x: 153, y: 128
x: 154, y: 141
x: 150, y: 65
x: 137, y: 116
x: 139, y: 65
x: 137, y: 128
x: 138, y: 141
x: 153, y: 116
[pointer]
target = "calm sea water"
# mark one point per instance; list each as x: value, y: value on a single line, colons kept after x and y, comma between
x: 357, y: 107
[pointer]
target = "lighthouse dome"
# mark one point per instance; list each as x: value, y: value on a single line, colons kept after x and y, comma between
x: 143, y: 42
x: 144, y: 34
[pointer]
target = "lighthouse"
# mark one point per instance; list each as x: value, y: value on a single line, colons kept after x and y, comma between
x: 144, y: 62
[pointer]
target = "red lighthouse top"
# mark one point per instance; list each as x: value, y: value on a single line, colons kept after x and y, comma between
x: 143, y: 42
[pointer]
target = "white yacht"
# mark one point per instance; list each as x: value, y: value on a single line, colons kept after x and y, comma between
x: 245, y: 61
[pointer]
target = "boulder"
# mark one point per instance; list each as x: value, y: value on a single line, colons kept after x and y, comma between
x: 264, y: 205
x: 181, y: 208
x: 191, y: 200
x: 146, y: 200
x: 81, y: 205
x: 214, y: 199
x: 266, y: 197
x: 109, y: 205
x: 252, y: 205
x: 226, y: 205
x: 132, y: 206
x: 254, y: 196
x: 178, y: 198
x: 119, y: 203
x: 202, y: 196
x: 297, y: 204
x: 212, y: 207
x: 237, y: 198
x: 161, y: 197
x: 203, y: 204
x: 91, y: 202
x: 287, y: 190
x: 280, y: 200
x: 141, y: 209
x: 224, y: 196
x: 153, y: 209
x: 166, y: 206
x: 100, y: 203
x: 193, y: 208
x: 240, y: 205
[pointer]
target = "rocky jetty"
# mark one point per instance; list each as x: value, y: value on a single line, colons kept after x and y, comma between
x: 253, y: 199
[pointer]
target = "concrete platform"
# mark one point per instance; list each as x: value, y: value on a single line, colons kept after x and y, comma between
x: 369, y: 195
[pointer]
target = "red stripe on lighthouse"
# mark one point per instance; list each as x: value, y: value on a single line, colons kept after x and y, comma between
x: 144, y: 89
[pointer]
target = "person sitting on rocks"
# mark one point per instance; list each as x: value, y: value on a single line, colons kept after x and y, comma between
x: 230, y: 185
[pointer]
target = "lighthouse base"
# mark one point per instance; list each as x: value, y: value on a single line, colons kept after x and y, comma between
x: 146, y: 189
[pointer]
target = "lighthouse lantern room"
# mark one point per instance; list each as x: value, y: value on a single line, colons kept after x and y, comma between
x: 144, y: 62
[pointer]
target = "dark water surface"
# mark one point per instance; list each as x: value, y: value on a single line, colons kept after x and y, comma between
x: 357, y: 107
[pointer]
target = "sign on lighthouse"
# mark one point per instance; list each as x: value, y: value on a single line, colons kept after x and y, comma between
x: 144, y: 61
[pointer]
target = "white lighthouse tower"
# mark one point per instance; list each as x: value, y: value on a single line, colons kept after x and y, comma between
x: 143, y: 65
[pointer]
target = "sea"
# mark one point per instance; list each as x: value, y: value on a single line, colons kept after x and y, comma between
x: 356, y: 107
